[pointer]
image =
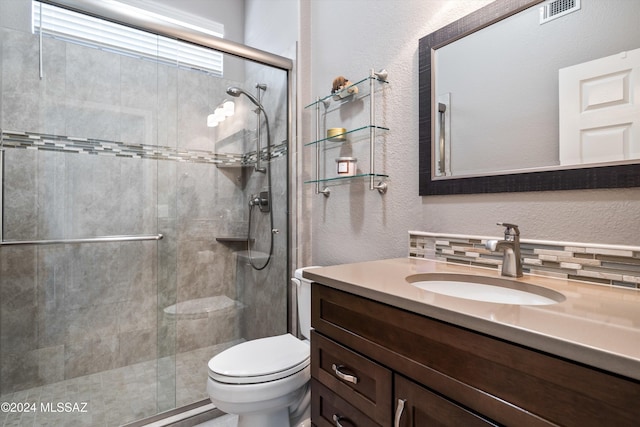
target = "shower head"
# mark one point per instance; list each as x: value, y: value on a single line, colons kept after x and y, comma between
x: 236, y: 91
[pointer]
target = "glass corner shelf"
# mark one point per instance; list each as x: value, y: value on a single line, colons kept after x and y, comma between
x: 345, y: 178
x: 345, y: 133
x: 342, y: 97
x: 327, y: 99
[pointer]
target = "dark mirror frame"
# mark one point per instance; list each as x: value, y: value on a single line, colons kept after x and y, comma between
x: 615, y: 176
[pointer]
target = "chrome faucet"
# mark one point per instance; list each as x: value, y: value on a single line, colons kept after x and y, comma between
x: 511, y: 263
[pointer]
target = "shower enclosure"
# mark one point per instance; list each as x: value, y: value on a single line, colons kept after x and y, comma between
x: 124, y: 257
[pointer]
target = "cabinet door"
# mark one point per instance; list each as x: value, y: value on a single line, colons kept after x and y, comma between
x: 424, y: 408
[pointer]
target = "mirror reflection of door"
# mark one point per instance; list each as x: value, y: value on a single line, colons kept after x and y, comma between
x: 600, y: 110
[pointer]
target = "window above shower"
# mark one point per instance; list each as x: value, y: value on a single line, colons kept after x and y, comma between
x: 93, y: 81
x: 70, y: 26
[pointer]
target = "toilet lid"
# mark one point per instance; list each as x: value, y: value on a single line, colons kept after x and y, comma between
x: 260, y: 360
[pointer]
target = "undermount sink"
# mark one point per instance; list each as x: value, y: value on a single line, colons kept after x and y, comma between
x: 487, y: 289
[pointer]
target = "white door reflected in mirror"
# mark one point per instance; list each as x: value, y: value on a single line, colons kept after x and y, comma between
x: 600, y: 110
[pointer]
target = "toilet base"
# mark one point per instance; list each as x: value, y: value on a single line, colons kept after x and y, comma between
x: 304, y: 423
x: 277, y: 418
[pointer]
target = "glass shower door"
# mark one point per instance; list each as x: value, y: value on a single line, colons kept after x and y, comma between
x: 124, y: 262
x: 79, y: 261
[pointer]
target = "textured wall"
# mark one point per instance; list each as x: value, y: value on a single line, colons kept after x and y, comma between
x: 353, y: 224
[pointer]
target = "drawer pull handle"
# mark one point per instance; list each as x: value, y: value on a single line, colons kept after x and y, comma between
x: 399, y: 411
x: 337, y: 418
x: 342, y: 375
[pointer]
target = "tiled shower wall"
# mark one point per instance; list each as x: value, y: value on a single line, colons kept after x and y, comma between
x: 75, y: 309
x: 611, y: 265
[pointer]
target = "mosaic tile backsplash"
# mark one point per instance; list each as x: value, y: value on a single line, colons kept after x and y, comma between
x: 38, y: 141
x: 612, y: 265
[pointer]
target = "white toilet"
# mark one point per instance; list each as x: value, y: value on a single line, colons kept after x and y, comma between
x: 266, y: 381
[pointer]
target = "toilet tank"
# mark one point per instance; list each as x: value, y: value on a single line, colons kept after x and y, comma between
x: 304, y: 301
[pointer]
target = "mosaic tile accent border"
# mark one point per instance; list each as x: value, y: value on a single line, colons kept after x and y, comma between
x: 613, y: 265
x: 37, y: 141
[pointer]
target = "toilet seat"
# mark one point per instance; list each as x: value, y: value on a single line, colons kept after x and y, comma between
x: 261, y: 360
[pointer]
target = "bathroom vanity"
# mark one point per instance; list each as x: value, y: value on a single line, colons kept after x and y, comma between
x: 387, y: 353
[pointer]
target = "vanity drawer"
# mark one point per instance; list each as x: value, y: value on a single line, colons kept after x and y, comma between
x: 329, y: 410
x: 365, y: 384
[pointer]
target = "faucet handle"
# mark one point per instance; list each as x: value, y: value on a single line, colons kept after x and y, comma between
x: 492, y: 245
x: 508, y: 228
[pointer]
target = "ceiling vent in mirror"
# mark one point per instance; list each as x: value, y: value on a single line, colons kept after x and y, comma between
x: 556, y: 8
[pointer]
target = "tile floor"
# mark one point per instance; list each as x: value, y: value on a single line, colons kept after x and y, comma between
x: 114, y: 397
x: 224, y: 421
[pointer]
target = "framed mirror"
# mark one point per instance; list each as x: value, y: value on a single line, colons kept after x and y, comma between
x: 525, y: 108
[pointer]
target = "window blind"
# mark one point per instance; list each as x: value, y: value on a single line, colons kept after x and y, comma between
x: 75, y: 27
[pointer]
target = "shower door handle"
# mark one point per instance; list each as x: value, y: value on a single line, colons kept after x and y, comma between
x: 99, y: 239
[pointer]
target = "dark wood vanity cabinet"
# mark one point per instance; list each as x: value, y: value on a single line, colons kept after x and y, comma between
x: 369, y: 358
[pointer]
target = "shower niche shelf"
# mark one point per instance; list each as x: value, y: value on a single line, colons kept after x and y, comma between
x: 232, y: 239
x: 329, y: 103
x: 233, y: 165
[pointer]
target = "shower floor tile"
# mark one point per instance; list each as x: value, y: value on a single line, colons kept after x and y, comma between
x: 114, y: 397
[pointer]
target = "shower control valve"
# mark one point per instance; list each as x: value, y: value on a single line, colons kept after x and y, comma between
x: 260, y: 200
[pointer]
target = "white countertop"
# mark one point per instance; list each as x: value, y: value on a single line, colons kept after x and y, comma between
x: 595, y: 325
